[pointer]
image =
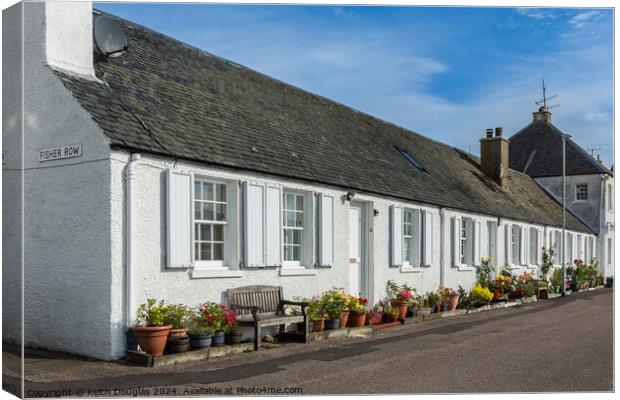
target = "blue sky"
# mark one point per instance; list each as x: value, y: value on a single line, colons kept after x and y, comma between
x: 447, y: 73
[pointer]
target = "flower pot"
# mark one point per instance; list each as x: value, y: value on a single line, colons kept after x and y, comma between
x: 152, y: 339
x: 177, y: 344
x: 574, y: 287
x: 200, y: 341
x: 453, y: 301
x: 401, y: 306
x: 344, y: 318
x: 331, y: 324
x: 178, y: 332
x: 392, y: 318
x: 444, y: 307
x: 318, y: 325
x: 556, y: 289
x: 218, y: 339
x: 436, y: 308
x: 233, y: 337
x: 357, y: 320
x: 375, y: 318
x: 424, y: 311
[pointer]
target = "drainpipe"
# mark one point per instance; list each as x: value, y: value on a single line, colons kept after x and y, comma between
x: 442, y: 218
x: 130, y: 175
x: 602, y: 222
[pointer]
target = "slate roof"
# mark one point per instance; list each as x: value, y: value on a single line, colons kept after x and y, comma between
x: 542, y: 142
x: 164, y: 97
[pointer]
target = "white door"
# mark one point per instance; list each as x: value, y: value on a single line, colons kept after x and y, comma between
x: 356, y: 250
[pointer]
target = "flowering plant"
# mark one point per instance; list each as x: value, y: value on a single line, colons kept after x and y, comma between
x: 444, y: 293
x: 480, y: 295
x: 547, y: 262
x: 401, y: 292
x: 333, y: 302
x: 217, y: 316
x: 484, y: 271
x: 358, y: 304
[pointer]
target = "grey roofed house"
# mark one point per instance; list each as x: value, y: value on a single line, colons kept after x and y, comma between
x: 537, y: 151
x: 166, y: 98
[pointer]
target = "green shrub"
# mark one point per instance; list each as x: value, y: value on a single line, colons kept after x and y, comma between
x: 152, y: 313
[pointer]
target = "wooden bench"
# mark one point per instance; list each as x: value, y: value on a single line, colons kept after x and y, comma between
x: 261, y: 306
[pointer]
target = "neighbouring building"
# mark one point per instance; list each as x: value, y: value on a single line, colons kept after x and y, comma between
x: 536, y: 150
x: 171, y: 173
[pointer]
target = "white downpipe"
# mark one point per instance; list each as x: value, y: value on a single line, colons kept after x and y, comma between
x: 130, y: 175
x: 442, y: 229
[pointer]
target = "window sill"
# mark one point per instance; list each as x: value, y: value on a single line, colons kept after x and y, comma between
x: 201, y: 273
x: 465, y: 267
x: 515, y: 266
x: 296, y: 271
x: 532, y: 266
x: 409, y: 269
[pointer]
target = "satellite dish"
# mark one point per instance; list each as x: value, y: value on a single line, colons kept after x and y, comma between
x: 110, y: 38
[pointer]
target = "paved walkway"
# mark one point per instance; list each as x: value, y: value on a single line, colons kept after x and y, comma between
x: 557, y: 345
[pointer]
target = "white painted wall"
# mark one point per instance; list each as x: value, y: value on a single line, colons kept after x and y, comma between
x: 67, y: 241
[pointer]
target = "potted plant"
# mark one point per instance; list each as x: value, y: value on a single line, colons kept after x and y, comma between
x: 480, y: 295
x: 358, y: 307
x: 221, y: 318
x: 424, y: 307
x: 609, y: 282
x: 433, y: 300
x: 150, y: 331
x: 346, y: 312
x: 332, y: 303
x: 400, y: 297
x: 393, y: 314
x: 547, y: 262
x: 177, y: 316
x: 316, y: 315
x: 448, y: 297
x: 177, y: 344
x: 375, y: 317
x: 464, y: 300
x: 200, y: 335
x: 556, y: 280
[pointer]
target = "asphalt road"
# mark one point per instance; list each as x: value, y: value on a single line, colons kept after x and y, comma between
x: 549, y: 346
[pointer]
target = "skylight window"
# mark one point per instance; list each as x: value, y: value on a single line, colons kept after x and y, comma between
x: 411, y: 159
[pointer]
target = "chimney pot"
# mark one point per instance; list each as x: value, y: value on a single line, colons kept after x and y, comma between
x: 489, y: 132
x: 498, y: 131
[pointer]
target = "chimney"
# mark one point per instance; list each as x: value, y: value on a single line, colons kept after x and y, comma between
x: 60, y: 34
x: 543, y: 114
x: 494, y: 156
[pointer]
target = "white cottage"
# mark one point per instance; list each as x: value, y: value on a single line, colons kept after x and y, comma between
x: 168, y: 172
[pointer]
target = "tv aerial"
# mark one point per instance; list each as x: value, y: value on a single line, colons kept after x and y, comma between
x: 110, y: 39
x: 544, y: 100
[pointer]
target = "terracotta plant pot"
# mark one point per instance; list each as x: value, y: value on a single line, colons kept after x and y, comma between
x: 392, y: 318
x: 357, y: 320
x: 375, y: 318
x: 178, y: 332
x: 453, y: 301
x: 437, y: 308
x: 177, y: 344
x: 318, y: 325
x: 344, y: 318
x: 401, y: 306
x: 152, y: 339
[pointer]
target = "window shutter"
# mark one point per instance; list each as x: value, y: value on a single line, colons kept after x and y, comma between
x: 326, y: 229
x: 427, y: 238
x: 477, y: 243
x: 523, y: 245
x: 179, y: 219
x: 456, y: 240
x: 273, y: 225
x: 508, y: 243
x: 539, y: 248
x: 396, y: 239
x: 254, y: 224
x: 593, y: 242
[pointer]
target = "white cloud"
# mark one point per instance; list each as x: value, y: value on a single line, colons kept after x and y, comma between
x: 582, y: 19
x: 536, y: 13
x: 596, y: 116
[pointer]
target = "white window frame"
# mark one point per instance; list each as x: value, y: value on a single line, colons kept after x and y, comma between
x: 577, y: 192
x: 304, y: 231
x: 416, y: 238
x: 212, y: 264
x: 467, y: 242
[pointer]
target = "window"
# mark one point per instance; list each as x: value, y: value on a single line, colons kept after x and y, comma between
x: 492, y: 242
x: 410, y: 237
x: 609, y: 248
x: 555, y: 245
x: 210, y: 221
x: 515, y: 243
x: 411, y: 159
x: 569, y: 247
x: 293, y: 226
x: 610, y: 198
x: 533, y: 246
x: 580, y: 254
x: 581, y: 191
x: 467, y: 241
